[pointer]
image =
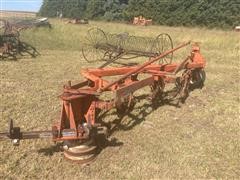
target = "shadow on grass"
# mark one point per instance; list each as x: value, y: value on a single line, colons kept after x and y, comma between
x: 49, y: 151
x: 169, y: 98
x: 136, y: 119
x: 144, y: 110
x: 102, y: 143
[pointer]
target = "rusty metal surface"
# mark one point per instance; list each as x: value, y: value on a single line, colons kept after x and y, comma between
x: 142, y: 21
x: 77, y: 21
x: 81, y: 152
x: 103, y: 46
x: 10, y: 44
x: 145, y: 64
x: 79, y: 121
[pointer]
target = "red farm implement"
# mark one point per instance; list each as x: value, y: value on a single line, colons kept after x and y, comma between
x: 142, y: 21
x: 10, y: 44
x: 108, y: 47
x: 79, y: 125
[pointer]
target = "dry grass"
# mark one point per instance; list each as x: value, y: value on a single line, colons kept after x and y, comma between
x: 16, y: 14
x: 199, y: 140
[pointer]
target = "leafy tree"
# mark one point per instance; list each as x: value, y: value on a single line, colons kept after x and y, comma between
x: 50, y: 8
x: 69, y: 8
x: 95, y: 9
x: 217, y: 13
x: 113, y: 10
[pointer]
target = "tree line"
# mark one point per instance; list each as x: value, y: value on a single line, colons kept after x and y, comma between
x: 207, y: 13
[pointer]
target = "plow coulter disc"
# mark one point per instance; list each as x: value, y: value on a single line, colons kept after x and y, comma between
x: 93, y: 49
x: 81, y: 152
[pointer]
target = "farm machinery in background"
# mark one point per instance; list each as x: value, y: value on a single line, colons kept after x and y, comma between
x: 21, y: 24
x: 142, y: 21
x: 10, y: 44
x: 77, y: 21
x: 103, y: 46
x: 80, y: 124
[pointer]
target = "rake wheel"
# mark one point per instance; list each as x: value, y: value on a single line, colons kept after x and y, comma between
x: 162, y: 43
x: 91, y: 51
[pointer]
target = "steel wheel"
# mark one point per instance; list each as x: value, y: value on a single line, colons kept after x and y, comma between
x: 198, y: 79
x: 162, y: 43
x: 83, y: 152
x: 93, y: 49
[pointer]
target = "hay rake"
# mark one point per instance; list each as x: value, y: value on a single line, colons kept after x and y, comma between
x: 10, y: 43
x: 102, y: 46
x: 79, y: 125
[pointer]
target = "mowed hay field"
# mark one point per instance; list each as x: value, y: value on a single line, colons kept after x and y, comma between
x: 201, y: 139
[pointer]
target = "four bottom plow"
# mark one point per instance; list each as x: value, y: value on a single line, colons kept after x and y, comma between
x: 80, y: 126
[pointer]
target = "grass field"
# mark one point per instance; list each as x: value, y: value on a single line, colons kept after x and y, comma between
x: 18, y: 14
x: 201, y: 139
